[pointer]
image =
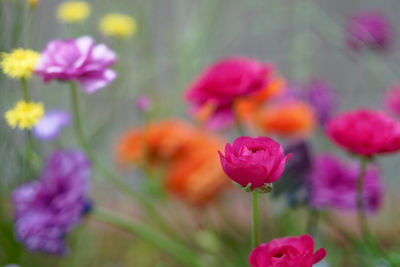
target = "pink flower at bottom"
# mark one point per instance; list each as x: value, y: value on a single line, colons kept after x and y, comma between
x: 287, y: 252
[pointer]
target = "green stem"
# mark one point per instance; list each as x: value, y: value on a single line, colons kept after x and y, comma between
x: 113, y: 178
x: 30, y: 145
x: 255, y: 231
x: 25, y: 90
x: 180, y: 252
x: 238, y: 123
x: 360, y: 201
x: 312, y: 224
x: 368, y: 237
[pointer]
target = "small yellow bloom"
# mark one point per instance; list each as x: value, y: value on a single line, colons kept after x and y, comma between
x: 24, y: 115
x: 73, y: 11
x: 20, y: 63
x: 118, y: 25
x: 33, y: 3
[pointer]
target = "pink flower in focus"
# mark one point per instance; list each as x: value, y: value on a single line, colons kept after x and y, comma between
x: 334, y: 184
x: 287, y: 252
x: 78, y: 60
x: 392, y: 99
x: 365, y: 132
x: 223, y: 82
x: 370, y: 29
x: 258, y: 161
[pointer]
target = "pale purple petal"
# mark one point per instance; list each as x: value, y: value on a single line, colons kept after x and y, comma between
x: 91, y: 82
x: 50, y: 126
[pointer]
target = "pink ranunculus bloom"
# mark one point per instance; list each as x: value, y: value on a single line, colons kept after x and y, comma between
x: 365, y: 132
x: 369, y: 29
x: 333, y: 183
x: 220, y: 84
x: 287, y: 252
x: 392, y: 99
x: 258, y: 161
x: 78, y: 60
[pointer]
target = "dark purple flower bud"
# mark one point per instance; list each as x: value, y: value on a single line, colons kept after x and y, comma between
x: 369, y: 29
x: 323, y: 98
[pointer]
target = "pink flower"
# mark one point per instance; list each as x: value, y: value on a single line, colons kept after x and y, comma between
x: 258, y: 161
x: 369, y: 29
x: 392, y: 99
x: 287, y: 252
x: 334, y: 184
x: 78, y: 60
x: 365, y: 132
x: 143, y: 103
x: 223, y: 82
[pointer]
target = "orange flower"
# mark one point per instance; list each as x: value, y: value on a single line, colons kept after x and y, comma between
x: 287, y: 118
x: 197, y: 177
x: 193, y: 170
x: 247, y: 107
x: 159, y: 141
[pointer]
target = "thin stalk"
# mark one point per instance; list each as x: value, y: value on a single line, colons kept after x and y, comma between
x: 30, y: 145
x: 255, y: 231
x: 113, y: 178
x: 368, y: 237
x: 312, y: 224
x: 180, y: 252
x: 238, y: 123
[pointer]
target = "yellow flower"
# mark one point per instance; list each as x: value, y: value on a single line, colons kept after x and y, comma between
x: 73, y: 11
x: 19, y: 63
x: 24, y: 115
x: 117, y: 25
x: 33, y: 3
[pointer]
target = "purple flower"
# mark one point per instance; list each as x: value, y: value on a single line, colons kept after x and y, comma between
x: 143, y: 103
x: 46, y: 209
x: 50, y: 125
x: 369, y: 28
x: 334, y: 184
x: 78, y: 60
x: 323, y: 98
x: 392, y: 99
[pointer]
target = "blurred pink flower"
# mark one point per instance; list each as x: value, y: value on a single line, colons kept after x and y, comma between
x: 258, y: 161
x: 369, y: 28
x: 222, y: 83
x: 143, y: 103
x: 285, y: 252
x: 365, y: 132
x: 392, y: 99
x: 78, y: 60
x: 334, y: 184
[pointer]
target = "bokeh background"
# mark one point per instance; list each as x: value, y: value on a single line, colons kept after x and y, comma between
x: 175, y: 40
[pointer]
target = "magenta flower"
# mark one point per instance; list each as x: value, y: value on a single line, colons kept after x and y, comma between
x: 46, y: 209
x: 78, y: 60
x: 369, y: 28
x: 334, y: 184
x: 392, y: 99
x: 287, y: 252
x: 365, y: 132
x: 223, y: 82
x: 323, y: 99
x: 51, y: 124
x: 258, y: 161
